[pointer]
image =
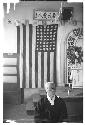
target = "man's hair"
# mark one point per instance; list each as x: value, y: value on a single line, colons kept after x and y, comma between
x: 47, y: 84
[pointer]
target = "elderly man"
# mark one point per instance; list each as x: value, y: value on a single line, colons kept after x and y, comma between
x: 50, y: 108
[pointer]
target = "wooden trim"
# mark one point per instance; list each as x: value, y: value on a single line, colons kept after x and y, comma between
x: 18, y: 62
x: 9, y: 55
x: 9, y: 83
x: 72, y: 99
x: 10, y: 97
x: 5, y: 74
x: 9, y: 65
x: 9, y: 87
x: 22, y: 95
x: 18, y: 52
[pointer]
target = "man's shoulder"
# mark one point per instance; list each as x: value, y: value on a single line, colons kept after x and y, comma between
x: 59, y: 99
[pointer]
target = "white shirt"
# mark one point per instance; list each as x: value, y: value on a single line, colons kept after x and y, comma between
x: 51, y: 100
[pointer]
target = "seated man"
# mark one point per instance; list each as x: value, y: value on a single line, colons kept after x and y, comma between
x: 50, y: 108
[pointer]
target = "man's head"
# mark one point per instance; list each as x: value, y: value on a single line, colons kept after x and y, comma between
x: 50, y: 89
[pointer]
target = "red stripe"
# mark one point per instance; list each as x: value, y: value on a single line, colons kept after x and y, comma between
x: 36, y: 69
x: 30, y: 55
x: 24, y: 56
x: 48, y: 66
x: 54, y: 74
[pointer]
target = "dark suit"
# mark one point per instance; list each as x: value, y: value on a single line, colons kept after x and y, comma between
x: 45, y: 112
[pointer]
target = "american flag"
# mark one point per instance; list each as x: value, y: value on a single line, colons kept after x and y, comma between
x: 37, y: 55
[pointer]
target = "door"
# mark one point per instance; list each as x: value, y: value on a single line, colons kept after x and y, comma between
x: 11, y: 75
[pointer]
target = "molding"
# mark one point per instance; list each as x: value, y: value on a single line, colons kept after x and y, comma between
x: 10, y: 55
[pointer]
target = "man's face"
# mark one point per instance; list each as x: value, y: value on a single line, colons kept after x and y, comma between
x: 50, y: 89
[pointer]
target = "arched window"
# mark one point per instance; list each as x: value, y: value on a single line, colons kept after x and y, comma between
x: 74, y: 58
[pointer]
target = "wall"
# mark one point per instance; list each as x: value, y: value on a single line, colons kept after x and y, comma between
x: 24, y: 10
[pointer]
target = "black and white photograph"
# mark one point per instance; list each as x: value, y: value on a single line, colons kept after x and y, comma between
x: 43, y: 58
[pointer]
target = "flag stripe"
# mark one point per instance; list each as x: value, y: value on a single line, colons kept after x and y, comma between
x: 27, y: 56
x: 36, y: 69
x: 48, y: 66
x: 33, y: 56
x: 51, y: 65
x: 42, y: 69
x: 21, y: 57
x: 39, y: 69
x: 30, y: 55
x: 45, y: 67
x: 55, y: 68
x: 24, y: 56
x: 54, y: 75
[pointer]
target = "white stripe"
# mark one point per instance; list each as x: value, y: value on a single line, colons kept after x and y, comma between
x: 21, y: 55
x: 33, y: 56
x: 45, y: 67
x: 27, y: 56
x: 51, y: 65
x: 39, y: 69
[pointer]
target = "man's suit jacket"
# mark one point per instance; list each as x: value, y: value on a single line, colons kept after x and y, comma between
x: 45, y: 112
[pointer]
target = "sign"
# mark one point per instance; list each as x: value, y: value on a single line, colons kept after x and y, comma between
x: 45, y: 15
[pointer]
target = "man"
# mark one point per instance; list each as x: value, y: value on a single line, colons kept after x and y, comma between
x: 50, y: 108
